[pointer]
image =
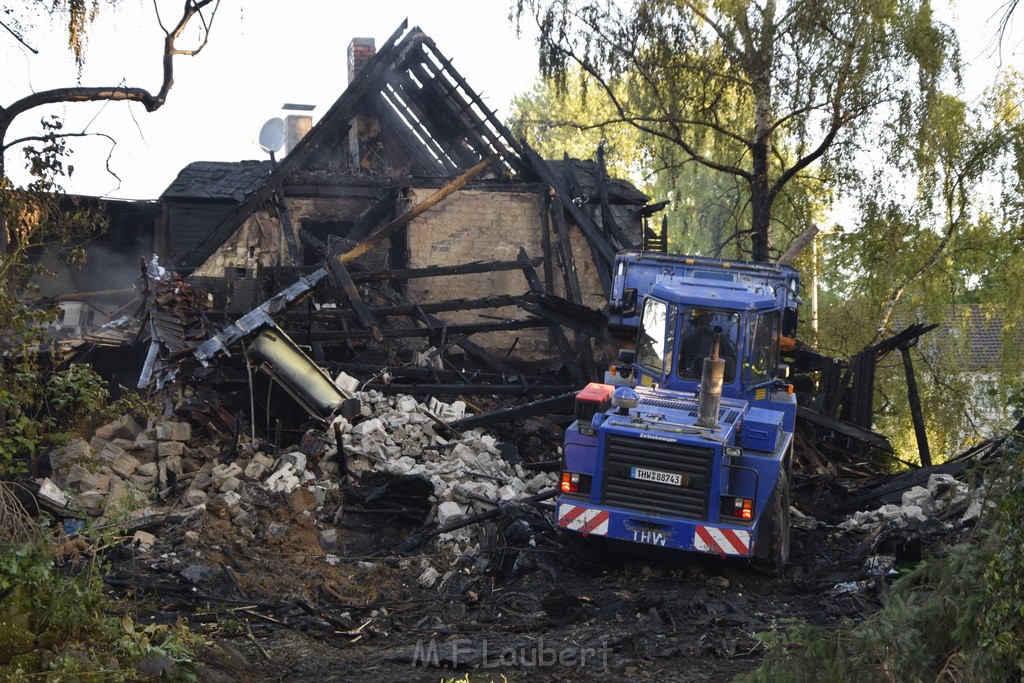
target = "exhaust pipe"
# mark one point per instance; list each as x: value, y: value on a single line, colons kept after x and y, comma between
x: 711, y: 381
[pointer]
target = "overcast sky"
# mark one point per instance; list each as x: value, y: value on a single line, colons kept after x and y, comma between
x: 267, y: 53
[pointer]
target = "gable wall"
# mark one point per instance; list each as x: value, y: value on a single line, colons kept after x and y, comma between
x: 476, y: 225
x: 468, y: 226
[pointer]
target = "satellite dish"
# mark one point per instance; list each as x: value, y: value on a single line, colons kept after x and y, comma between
x: 272, y: 136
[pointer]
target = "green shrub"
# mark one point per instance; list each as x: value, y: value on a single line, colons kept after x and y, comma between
x: 957, y: 617
x: 56, y: 623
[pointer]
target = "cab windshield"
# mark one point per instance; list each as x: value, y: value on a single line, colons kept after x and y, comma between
x: 700, y: 328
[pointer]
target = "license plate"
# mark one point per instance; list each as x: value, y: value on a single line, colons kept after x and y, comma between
x: 656, y: 476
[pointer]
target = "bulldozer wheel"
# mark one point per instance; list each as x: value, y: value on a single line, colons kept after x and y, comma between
x: 776, y: 531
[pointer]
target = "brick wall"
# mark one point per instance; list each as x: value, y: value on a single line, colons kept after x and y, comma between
x: 474, y: 225
x: 468, y: 226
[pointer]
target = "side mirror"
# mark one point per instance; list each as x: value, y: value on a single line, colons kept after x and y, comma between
x: 627, y: 355
x: 629, y: 303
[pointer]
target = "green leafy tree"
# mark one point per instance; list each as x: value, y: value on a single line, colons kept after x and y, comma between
x: 760, y: 92
x: 937, y: 227
x: 706, y: 209
x: 42, y: 404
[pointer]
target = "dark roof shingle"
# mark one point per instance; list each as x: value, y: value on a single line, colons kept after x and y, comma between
x: 232, y: 180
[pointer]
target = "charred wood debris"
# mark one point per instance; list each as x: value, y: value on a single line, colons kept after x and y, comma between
x: 310, y: 430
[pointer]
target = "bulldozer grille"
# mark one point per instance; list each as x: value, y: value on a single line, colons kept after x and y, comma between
x: 693, y: 463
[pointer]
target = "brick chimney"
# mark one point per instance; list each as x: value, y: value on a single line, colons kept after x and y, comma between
x: 360, y: 51
x: 364, y: 140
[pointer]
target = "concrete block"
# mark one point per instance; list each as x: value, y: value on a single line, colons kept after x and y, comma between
x: 172, y: 463
x: 918, y: 496
x: 170, y: 449
x: 890, y: 511
x: 222, y: 473
x: 124, y: 465
x: 297, y: 460
x: 204, y: 477
x: 52, y: 493
x: 347, y: 383
x: 941, y: 485
x: 538, y: 483
x: 428, y: 578
x: 914, y: 512
x: 142, y: 482
x: 173, y: 431
x: 148, y: 469
x: 231, y: 498
x: 286, y: 470
x: 144, y: 453
x: 507, y: 492
x: 77, y: 451
x: 329, y: 539
x: 91, y: 502
x: 256, y: 469
x: 286, y: 484
x: 449, y: 512
x: 94, y: 481
x: 366, y: 427
x: 125, y: 428
x: 194, y: 497
x: 119, y: 497
x: 109, y: 452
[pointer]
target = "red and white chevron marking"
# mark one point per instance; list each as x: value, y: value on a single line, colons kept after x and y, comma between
x: 711, y: 539
x: 582, y: 519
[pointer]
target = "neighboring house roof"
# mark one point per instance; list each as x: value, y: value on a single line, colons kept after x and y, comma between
x: 587, y: 175
x: 975, y: 332
x: 221, y: 180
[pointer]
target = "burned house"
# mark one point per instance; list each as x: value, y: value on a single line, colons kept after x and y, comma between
x: 436, y: 225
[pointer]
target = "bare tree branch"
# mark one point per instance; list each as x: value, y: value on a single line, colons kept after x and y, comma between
x: 17, y: 36
x: 151, y: 102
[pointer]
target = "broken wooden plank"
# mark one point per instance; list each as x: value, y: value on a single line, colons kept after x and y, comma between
x: 545, y: 243
x: 916, y: 413
x: 466, y: 345
x: 568, y: 265
x: 607, y: 254
x: 608, y: 221
x: 603, y: 274
x: 411, y: 214
x: 567, y: 314
x: 441, y: 271
x: 373, y: 216
x: 541, y: 407
x: 557, y: 334
x: 403, y: 332
x: 448, y: 306
x: 847, y: 429
x: 350, y: 292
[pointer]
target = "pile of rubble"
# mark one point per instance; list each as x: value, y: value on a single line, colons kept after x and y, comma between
x: 940, y: 501
x: 128, y: 471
